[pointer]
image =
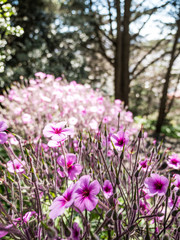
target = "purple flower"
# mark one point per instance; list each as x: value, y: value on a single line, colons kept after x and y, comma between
x: 72, y: 167
x: 107, y: 189
x: 157, y: 184
x: 15, y: 165
x: 75, y: 232
x: 60, y: 203
x: 56, y: 131
x: 3, y: 233
x: 144, y: 207
x: 177, y: 182
x: 174, y: 161
x: 171, y: 202
x: 86, y: 194
x: 120, y: 139
x: 3, y: 135
x: 27, y: 216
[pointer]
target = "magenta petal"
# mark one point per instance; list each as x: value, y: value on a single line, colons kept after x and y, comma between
x: 94, y: 187
x: 68, y: 131
x: 115, y: 137
x: 71, y: 158
x: 60, y: 125
x: 56, y: 212
x: 90, y: 202
x: 3, y: 126
x: 79, y: 203
x: 3, y: 137
x: 74, y: 171
x: 61, y: 161
x: 84, y: 181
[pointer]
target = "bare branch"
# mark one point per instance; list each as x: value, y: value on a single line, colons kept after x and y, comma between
x: 149, y: 52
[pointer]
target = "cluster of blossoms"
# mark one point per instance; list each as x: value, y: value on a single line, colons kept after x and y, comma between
x: 83, y: 180
x: 48, y: 99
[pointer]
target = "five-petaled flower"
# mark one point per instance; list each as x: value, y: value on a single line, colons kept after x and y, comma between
x: 73, y: 168
x: 3, y: 135
x: 107, y: 189
x: 157, y: 184
x: 86, y: 194
x: 57, y: 131
x: 15, y: 166
x: 120, y: 139
x: 174, y: 161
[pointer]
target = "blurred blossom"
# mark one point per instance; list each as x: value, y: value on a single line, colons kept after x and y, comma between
x: 15, y: 166
x: 3, y: 135
x: 107, y: 189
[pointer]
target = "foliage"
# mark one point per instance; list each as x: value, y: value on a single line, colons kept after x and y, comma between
x: 42, y: 46
x: 168, y: 129
x: 7, y: 30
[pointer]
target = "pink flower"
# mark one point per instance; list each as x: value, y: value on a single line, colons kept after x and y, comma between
x: 174, y: 161
x: 107, y: 189
x: 1, y: 98
x: 60, y: 203
x: 72, y: 167
x: 86, y: 194
x: 75, y: 232
x: 26, y: 118
x: 144, y: 164
x: 157, y: 184
x: 120, y: 139
x: 144, y: 207
x: 171, y: 202
x: 27, y: 216
x: 15, y: 165
x: 56, y: 131
x: 3, y: 233
x: 3, y: 135
x: 177, y: 182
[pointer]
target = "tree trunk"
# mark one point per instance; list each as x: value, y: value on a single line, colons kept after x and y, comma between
x: 125, y: 52
x: 163, y: 101
x: 122, y: 49
x: 117, y: 62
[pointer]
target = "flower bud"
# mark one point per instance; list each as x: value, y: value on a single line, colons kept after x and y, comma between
x: 132, y: 227
x: 174, y: 213
x: 109, y: 213
x: 136, y: 173
x: 165, y: 237
x: 111, y: 200
x: 178, y: 193
x: 163, y: 166
x: 140, y: 135
x: 120, y: 217
x: 135, y: 206
x: 115, y: 216
x: 115, y: 152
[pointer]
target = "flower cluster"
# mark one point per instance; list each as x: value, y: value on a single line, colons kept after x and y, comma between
x: 49, y: 99
x: 91, y: 175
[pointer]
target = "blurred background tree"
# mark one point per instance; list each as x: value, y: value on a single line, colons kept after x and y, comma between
x: 42, y: 47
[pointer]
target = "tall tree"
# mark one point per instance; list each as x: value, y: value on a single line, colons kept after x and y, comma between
x: 174, y: 53
x: 106, y: 29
